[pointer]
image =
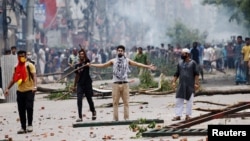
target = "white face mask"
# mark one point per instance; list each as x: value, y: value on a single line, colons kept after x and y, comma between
x: 29, y: 56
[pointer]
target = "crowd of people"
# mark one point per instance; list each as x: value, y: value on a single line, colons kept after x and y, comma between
x: 190, y: 63
x: 210, y: 57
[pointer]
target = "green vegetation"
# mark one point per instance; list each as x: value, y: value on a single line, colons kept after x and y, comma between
x: 139, y: 127
x: 147, y: 80
x: 184, y: 35
x: 62, y: 94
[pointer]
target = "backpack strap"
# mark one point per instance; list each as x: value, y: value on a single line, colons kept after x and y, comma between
x: 29, y: 72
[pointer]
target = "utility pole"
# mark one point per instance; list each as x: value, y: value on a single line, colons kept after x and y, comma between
x: 30, y: 25
x: 5, y: 25
x: 91, y: 21
x: 67, y: 9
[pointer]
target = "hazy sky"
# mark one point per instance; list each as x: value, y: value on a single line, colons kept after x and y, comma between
x: 159, y: 15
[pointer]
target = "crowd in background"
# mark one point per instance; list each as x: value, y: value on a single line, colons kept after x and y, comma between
x: 222, y: 55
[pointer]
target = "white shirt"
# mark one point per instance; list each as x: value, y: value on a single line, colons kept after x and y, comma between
x: 42, y: 56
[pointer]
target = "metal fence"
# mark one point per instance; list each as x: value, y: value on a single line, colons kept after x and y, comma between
x: 8, y: 63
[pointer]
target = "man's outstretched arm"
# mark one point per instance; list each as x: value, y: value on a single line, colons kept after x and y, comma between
x: 133, y: 63
x: 104, y: 65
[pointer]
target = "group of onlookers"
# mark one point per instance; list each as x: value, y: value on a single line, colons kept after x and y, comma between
x: 219, y: 56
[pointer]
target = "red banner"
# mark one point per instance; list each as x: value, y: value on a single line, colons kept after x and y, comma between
x: 50, y: 13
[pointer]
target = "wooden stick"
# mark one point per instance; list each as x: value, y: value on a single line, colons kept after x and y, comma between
x: 58, y: 98
x: 208, y: 102
x: 48, y: 90
x: 70, y: 73
x: 81, y: 46
x: 49, y: 74
x: 111, y: 104
x: 208, y: 110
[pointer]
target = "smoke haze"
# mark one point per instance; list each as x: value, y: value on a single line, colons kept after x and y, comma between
x: 154, y: 17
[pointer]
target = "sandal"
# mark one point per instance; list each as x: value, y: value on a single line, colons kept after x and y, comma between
x: 94, y: 116
x: 187, y: 118
x: 176, y: 118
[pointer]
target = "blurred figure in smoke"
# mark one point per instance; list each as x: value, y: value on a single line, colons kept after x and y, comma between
x: 103, y: 55
x: 141, y: 58
x: 224, y: 51
x: 246, y: 52
x: 132, y: 52
x: 195, y: 56
x: 162, y: 50
x: 42, y: 59
x: 240, y: 76
x: 90, y: 54
x: 230, y: 55
x: 201, y: 50
x: 171, y: 57
x: 207, y: 58
x: 73, y: 58
x: 13, y: 50
x: 72, y: 61
x: 177, y: 53
x: 113, y: 51
x: 7, y: 52
x: 96, y: 57
x: 76, y: 8
x: 30, y: 58
x: 218, y: 57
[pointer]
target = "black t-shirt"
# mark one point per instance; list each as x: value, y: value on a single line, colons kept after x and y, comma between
x: 195, y: 55
x: 84, y: 76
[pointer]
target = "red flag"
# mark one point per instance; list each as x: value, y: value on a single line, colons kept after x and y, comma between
x: 51, y: 9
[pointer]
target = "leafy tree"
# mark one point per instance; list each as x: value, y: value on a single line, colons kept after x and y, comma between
x: 183, y: 35
x: 239, y: 9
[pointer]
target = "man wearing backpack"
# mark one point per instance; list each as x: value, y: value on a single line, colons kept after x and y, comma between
x: 25, y: 77
x: 30, y: 58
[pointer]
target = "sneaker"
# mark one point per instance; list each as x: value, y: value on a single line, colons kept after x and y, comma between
x: 29, y: 129
x: 94, y: 116
x: 21, y: 131
x: 79, y: 120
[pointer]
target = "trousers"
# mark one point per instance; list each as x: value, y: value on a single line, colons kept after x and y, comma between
x: 88, y: 92
x: 120, y: 91
x: 25, y: 103
x: 179, y: 106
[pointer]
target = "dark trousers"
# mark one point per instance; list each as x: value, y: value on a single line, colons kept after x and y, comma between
x: 25, y: 103
x: 219, y: 64
x: 230, y: 62
x: 246, y: 68
x: 88, y: 92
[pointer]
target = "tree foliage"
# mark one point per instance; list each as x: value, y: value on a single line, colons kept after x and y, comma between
x: 184, y: 35
x: 239, y: 9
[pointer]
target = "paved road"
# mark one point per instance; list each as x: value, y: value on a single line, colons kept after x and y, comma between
x: 53, y: 119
